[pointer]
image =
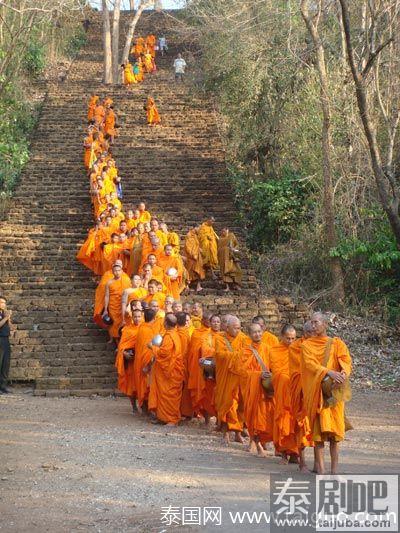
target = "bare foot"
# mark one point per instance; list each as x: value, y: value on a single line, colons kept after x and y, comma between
x: 284, y: 460
x: 304, y: 470
x: 238, y: 437
x: 252, y: 448
x: 225, y: 439
x: 260, y: 450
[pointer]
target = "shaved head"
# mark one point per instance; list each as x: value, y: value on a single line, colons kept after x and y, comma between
x: 233, y: 326
x: 307, y: 329
x: 319, y: 322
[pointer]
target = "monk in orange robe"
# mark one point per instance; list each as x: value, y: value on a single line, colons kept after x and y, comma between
x: 172, y: 281
x: 194, y: 259
x: 160, y: 316
x: 92, y: 105
x: 153, y: 116
x: 208, y: 244
x: 196, y: 314
x: 183, y: 325
x: 301, y: 424
x: 143, y: 356
x: 151, y: 44
x: 202, y: 346
x: 229, y: 346
x: 229, y: 266
x: 109, y: 124
x: 112, y: 300
x: 283, y: 431
x: 100, y: 294
x: 111, y: 252
x: 167, y: 376
x: 99, y: 114
x: 321, y: 358
x: 125, y: 357
x: 139, y: 47
x: 87, y: 145
x: 154, y: 294
x: 268, y: 338
x: 135, y: 292
x: 144, y: 215
x: 253, y: 366
x: 156, y: 271
x: 86, y: 253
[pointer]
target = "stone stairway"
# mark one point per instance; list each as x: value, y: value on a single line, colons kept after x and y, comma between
x: 177, y: 169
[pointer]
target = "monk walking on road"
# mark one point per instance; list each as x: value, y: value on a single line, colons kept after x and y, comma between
x: 325, y: 364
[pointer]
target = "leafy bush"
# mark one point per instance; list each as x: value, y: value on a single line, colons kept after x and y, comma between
x: 75, y: 42
x: 35, y: 58
x: 272, y: 210
x: 17, y: 121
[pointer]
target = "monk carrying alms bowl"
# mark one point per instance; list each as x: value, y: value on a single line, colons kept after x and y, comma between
x: 208, y: 366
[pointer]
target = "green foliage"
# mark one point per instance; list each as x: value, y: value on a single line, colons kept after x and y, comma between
x: 75, y: 42
x: 17, y: 121
x: 35, y: 57
x: 374, y: 276
x: 272, y: 210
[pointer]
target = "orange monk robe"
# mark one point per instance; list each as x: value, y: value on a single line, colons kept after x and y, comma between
x: 194, y: 260
x: 86, y: 252
x: 92, y: 105
x: 186, y: 402
x: 139, y: 47
x: 269, y: 339
x: 208, y: 245
x: 173, y: 239
x: 111, y: 252
x: 162, y: 237
x: 143, y: 356
x: 227, y: 350
x: 144, y: 217
x: 195, y: 373
x: 153, y: 116
x: 126, y: 376
x: 99, y: 114
x: 158, y: 297
x: 138, y: 293
x: 148, y: 63
x: 136, y: 254
x: 132, y: 222
x: 100, y: 294
x: 109, y: 123
x: 204, y: 388
x: 302, y: 425
x: 196, y: 321
x: 87, y: 145
x: 116, y: 288
x: 174, y: 287
x: 258, y: 409
x: 325, y: 422
x: 284, y: 425
x: 151, y: 44
x: 167, y: 379
x: 102, y: 236
x: 129, y: 76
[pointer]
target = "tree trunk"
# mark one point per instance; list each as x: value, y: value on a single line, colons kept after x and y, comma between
x: 388, y: 190
x: 328, y: 199
x: 115, y: 42
x: 107, y: 76
x: 132, y: 5
x: 132, y: 25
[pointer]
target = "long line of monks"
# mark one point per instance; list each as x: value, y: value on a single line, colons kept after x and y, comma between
x: 177, y: 361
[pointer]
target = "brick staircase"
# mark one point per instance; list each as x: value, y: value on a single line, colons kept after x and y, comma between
x: 178, y: 169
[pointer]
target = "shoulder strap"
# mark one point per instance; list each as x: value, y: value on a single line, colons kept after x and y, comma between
x: 228, y: 344
x: 327, y: 352
x: 259, y: 360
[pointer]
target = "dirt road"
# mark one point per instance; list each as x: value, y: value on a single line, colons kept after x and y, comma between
x: 80, y: 464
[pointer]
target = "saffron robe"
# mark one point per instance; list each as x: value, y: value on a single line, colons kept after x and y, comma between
x: 126, y: 376
x: 167, y: 379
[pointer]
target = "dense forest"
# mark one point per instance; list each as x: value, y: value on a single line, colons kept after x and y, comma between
x: 309, y: 100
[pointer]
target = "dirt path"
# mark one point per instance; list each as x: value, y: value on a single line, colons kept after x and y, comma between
x: 79, y: 464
